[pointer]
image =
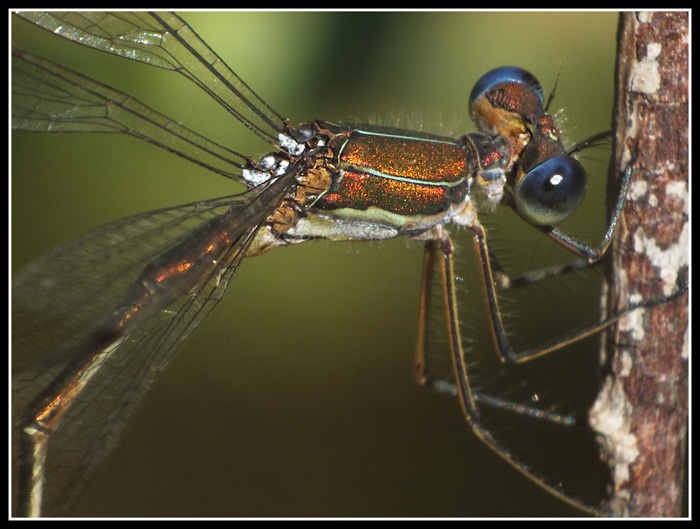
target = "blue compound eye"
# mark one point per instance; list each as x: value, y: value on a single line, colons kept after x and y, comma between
x: 505, y: 74
x: 551, y: 192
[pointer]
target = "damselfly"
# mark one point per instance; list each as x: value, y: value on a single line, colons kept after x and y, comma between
x: 299, y: 289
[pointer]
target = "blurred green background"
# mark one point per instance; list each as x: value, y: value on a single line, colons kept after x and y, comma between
x: 296, y: 397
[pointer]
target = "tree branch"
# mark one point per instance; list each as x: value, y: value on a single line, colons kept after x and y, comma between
x: 642, y: 412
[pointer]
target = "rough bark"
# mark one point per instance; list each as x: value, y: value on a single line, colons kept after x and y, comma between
x: 642, y: 411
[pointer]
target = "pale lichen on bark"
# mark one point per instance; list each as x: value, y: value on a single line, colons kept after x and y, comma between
x: 642, y: 412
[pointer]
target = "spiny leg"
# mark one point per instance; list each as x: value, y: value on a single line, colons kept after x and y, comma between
x: 505, y: 351
x: 423, y: 375
x: 470, y: 400
x: 432, y: 255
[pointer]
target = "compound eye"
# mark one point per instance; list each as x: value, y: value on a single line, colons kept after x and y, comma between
x: 552, y: 191
x: 503, y: 75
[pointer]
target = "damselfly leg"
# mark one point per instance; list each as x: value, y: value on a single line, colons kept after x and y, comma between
x: 439, y: 254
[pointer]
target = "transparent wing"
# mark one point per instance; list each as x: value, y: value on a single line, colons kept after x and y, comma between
x: 61, y: 299
x: 166, y: 41
x: 47, y: 97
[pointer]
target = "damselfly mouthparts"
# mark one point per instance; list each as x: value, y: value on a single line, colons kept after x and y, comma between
x: 323, y: 141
